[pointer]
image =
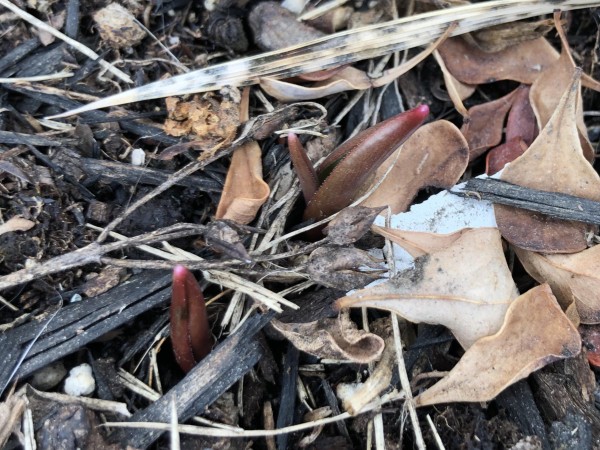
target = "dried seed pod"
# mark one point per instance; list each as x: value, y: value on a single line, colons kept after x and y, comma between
x: 226, y: 30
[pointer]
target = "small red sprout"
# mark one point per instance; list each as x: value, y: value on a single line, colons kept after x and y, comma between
x: 190, y: 333
x: 338, y: 180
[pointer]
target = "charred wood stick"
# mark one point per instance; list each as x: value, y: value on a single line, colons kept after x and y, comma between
x: 554, y: 204
x: 205, y: 383
x: 78, y: 324
x: 128, y: 174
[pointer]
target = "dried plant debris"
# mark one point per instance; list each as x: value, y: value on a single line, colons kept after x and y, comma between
x: 521, y: 346
x: 286, y: 312
x: 554, y: 162
x: 333, y: 339
x: 462, y: 282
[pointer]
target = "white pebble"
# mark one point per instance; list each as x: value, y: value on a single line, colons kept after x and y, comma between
x: 80, y: 381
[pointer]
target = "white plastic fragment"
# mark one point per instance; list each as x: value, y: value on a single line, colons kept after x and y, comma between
x: 80, y: 381
x: 442, y: 213
x: 138, y: 157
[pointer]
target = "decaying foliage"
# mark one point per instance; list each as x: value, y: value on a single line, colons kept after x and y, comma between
x: 308, y: 205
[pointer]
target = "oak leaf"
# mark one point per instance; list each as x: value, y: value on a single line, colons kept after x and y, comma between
x: 461, y: 281
x: 520, y: 347
x: 555, y: 163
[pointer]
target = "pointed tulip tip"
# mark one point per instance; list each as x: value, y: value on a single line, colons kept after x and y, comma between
x: 179, y: 271
x: 423, y: 110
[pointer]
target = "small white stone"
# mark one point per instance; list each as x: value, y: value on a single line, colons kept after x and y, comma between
x: 138, y: 157
x: 80, y: 381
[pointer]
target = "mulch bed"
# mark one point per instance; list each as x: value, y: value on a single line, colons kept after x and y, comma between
x: 64, y: 181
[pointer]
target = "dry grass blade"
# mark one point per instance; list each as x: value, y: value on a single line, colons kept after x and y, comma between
x: 338, y: 49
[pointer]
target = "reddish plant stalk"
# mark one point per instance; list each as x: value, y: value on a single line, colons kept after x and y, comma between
x: 190, y: 332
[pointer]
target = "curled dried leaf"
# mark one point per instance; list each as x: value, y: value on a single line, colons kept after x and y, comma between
x: 244, y: 191
x: 463, y: 283
x: 333, y: 339
x: 520, y: 347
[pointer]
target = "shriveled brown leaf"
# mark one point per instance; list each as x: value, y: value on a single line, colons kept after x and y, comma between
x: 523, y: 62
x: 347, y: 79
x: 535, y: 333
x: 333, y: 339
x: 574, y: 278
x: 435, y: 155
x: 244, y: 191
x: 378, y: 381
x: 500, y: 37
x: 557, y: 78
x: 553, y: 163
x: 224, y: 239
x: 350, y: 78
x: 465, y: 286
x: 351, y: 224
x: 484, y: 128
x: 341, y: 267
x: 16, y: 223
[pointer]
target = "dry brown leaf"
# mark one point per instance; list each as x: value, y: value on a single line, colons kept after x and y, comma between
x: 435, y: 155
x: 500, y: 37
x: 521, y: 120
x: 484, y: 128
x: 418, y: 243
x: 535, y: 333
x: 574, y: 279
x: 557, y: 78
x: 16, y: 223
x: 553, y: 163
x: 290, y: 92
x: 521, y: 131
x: 333, y: 339
x: 244, y: 191
x: 523, y: 62
x: 465, y: 286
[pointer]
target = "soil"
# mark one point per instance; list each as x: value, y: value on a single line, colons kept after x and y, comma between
x: 64, y: 180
